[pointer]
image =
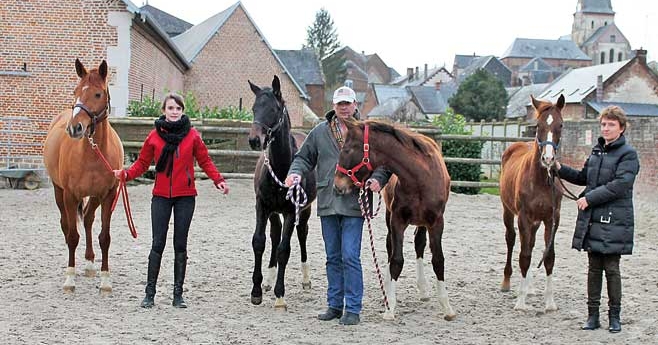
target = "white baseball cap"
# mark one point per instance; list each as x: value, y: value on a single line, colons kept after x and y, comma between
x: 344, y: 94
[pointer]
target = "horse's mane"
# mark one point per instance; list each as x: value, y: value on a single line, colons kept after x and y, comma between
x: 405, y: 136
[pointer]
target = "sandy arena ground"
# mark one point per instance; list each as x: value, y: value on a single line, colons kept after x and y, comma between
x: 33, y: 258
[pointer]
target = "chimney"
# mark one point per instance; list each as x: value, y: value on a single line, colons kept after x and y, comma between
x: 425, y: 77
x: 410, y: 73
x: 437, y: 85
x: 641, y: 55
x: 599, y: 88
x: 417, y: 75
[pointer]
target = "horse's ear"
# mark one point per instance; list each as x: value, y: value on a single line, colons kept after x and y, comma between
x: 560, y: 102
x: 535, y: 102
x: 276, y: 87
x: 80, y: 69
x: 102, y: 69
x: 254, y: 88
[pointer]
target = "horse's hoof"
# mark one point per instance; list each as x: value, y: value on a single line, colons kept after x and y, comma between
x: 521, y: 307
x: 450, y: 317
x: 388, y: 315
x: 550, y: 308
x: 256, y: 300
x: 306, y: 286
x: 105, y: 290
x: 266, y: 288
x: 504, y: 289
x: 280, y: 305
x: 69, y: 288
x: 90, y: 273
x: 425, y: 298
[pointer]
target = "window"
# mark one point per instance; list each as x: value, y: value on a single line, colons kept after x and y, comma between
x: 602, y: 58
x: 613, y: 38
x: 605, y: 23
x: 612, y: 55
x: 620, y: 56
x: 349, y: 83
x: 592, y: 24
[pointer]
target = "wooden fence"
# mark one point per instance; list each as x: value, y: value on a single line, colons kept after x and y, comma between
x: 228, y: 145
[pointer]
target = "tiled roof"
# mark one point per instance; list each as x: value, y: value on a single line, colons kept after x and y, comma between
x: 597, y: 6
x: 519, y: 99
x: 547, y: 49
x: 303, y: 66
x: 428, y: 99
x: 631, y: 109
x: 577, y: 83
x: 172, y: 25
x: 192, y: 41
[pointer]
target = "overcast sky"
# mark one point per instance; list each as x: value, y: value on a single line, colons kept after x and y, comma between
x: 412, y: 33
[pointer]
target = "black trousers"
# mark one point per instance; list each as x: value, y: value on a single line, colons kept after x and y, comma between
x: 161, y: 209
x: 597, y: 264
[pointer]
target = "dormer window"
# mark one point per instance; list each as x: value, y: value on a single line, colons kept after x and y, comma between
x: 613, y: 38
x: 349, y: 83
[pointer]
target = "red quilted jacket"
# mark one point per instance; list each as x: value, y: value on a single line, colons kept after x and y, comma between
x: 181, y: 182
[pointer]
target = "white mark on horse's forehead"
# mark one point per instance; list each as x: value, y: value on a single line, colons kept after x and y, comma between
x: 549, y: 119
x: 76, y: 110
x: 549, y: 137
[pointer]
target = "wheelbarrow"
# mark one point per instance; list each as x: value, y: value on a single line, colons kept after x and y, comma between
x: 15, y: 178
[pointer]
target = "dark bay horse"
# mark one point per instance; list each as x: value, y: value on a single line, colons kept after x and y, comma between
x: 416, y: 195
x: 271, y: 132
x: 527, y: 191
x: 81, y: 180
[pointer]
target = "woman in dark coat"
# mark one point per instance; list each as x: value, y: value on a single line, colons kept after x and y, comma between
x: 604, y: 227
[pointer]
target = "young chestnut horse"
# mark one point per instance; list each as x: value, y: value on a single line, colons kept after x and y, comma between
x: 81, y: 180
x: 270, y: 132
x: 527, y: 191
x: 416, y: 195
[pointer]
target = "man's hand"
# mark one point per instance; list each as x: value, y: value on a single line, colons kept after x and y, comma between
x: 374, y: 185
x: 290, y: 180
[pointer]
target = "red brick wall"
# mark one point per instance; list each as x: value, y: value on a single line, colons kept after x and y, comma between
x: 151, y: 70
x: 237, y: 53
x: 641, y: 134
x: 316, y: 92
x: 48, y: 36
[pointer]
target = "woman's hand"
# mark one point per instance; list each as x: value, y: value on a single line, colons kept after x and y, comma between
x: 119, y: 173
x: 582, y: 203
x: 222, y: 186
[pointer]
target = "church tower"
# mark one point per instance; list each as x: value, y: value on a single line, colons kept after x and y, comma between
x: 590, y: 16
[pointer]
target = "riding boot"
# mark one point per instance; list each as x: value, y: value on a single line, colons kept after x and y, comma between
x: 614, y: 319
x: 594, y: 285
x: 151, y: 279
x: 180, y: 263
x: 613, y: 278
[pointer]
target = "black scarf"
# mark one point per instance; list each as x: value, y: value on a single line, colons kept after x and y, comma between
x: 172, y: 133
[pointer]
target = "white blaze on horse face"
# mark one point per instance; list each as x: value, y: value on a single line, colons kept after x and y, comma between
x: 76, y: 110
x: 549, y: 149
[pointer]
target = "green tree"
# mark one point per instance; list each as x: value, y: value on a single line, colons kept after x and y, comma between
x: 323, y: 39
x: 481, y: 96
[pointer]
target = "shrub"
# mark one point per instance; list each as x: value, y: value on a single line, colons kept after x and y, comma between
x: 149, y: 107
x: 451, y: 123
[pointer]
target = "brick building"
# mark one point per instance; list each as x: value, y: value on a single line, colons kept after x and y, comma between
x: 40, y: 43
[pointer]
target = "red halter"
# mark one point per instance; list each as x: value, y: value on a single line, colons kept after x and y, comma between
x: 364, y: 162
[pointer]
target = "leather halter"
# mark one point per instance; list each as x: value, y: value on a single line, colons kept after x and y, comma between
x: 95, y: 117
x: 544, y: 143
x: 270, y: 130
x: 365, y: 161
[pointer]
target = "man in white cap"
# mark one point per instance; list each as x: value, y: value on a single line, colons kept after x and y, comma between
x: 340, y: 215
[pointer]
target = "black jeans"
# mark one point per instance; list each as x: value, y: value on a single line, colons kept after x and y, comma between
x: 597, y: 264
x: 161, y: 208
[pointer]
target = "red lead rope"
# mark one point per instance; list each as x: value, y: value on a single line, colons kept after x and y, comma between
x: 123, y: 190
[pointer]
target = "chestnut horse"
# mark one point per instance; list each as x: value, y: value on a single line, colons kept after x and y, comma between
x: 271, y: 133
x: 81, y: 179
x: 528, y: 192
x: 416, y: 195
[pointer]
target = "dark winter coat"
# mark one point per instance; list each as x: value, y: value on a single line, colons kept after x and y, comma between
x: 606, y: 225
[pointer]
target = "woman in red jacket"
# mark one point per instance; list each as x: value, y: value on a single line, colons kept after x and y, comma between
x: 174, y: 144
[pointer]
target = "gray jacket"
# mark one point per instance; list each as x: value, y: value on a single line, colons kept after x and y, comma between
x: 606, y: 225
x: 320, y: 151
